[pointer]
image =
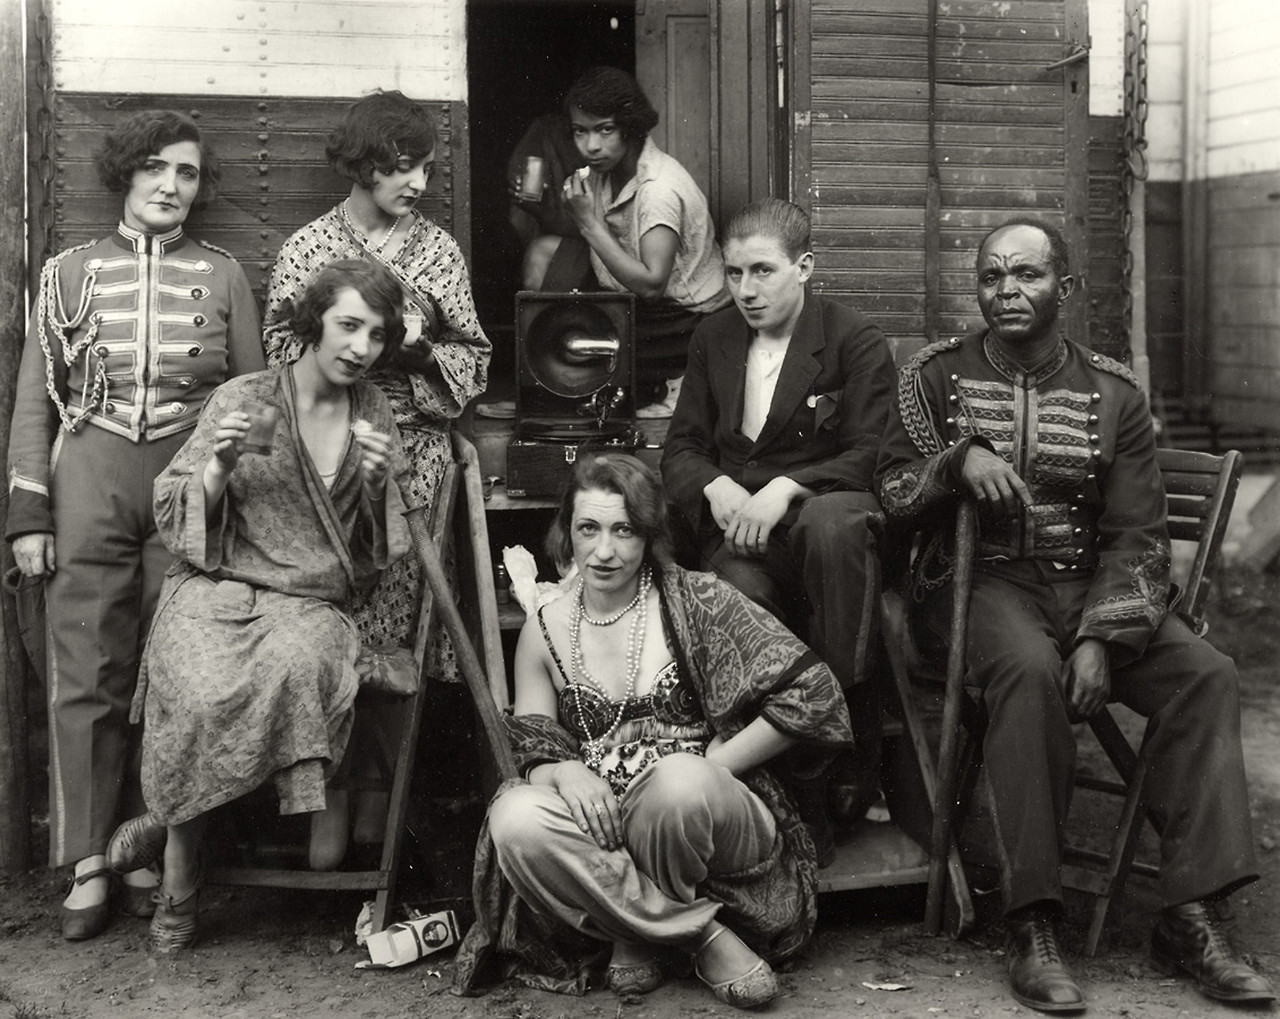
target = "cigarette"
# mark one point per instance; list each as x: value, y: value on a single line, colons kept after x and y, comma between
x: 360, y: 427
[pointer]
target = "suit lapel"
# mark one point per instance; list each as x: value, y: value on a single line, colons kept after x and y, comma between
x: 797, y: 379
x: 729, y: 369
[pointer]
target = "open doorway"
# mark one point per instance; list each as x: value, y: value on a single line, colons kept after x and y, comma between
x: 522, y: 57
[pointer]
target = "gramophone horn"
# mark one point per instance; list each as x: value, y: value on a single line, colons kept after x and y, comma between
x: 571, y: 349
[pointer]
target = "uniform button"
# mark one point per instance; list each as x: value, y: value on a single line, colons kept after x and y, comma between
x: 953, y: 398
x: 177, y: 408
x: 202, y: 266
x: 1078, y: 531
x: 1079, y: 551
x: 955, y: 378
x: 951, y: 421
x: 952, y: 442
x: 1095, y: 359
x: 110, y: 408
x: 198, y: 320
x: 1073, y: 509
x: 94, y: 264
x: 1095, y: 397
x: 101, y: 350
x: 1097, y: 453
x: 194, y: 352
x: 1093, y: 419
x: 954, y: 340
x: 1094, y: 439
x: 1090, y: 477
x: 199, y: 293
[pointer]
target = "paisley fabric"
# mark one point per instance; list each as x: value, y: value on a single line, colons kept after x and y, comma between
x: 741, y: 663
x: 438, y: 301
x: 249, y: 672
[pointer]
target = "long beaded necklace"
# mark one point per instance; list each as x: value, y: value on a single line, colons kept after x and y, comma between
x: 351, y: 226
x: 594, y: 748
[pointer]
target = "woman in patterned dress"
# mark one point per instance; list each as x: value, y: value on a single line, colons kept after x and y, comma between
x: 249, y: 672
x: 386, y: 147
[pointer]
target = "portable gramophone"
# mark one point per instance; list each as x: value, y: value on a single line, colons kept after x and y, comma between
x: 575, y: 364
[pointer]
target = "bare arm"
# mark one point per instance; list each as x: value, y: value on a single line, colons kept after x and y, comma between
x: 757, y: 743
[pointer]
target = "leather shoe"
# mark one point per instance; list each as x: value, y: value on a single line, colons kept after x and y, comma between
x: 1037, y: 976
x: 1188, y: 939
x: 136, y: 844
x: 88, y: 921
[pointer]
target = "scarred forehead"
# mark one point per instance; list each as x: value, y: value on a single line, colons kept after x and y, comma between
x: 1015, y: 245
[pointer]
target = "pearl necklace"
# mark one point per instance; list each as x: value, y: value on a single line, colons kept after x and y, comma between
x: 365, y: 240
x: 610, y: 620
x: 594, y: 748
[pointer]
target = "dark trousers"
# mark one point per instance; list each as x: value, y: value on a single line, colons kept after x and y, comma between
x: 822, y: 574
x: 110, y: 562
x: 1022, y: 623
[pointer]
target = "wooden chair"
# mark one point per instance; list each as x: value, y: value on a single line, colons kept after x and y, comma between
x: 394, y: 762
x: 1201, y: 489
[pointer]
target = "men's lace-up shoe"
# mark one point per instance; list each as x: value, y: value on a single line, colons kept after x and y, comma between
x: 1038, y: 977
x: 1189, y: 939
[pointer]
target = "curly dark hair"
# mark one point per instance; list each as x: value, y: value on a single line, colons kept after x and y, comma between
x: 642, y: 497
x: 374, y: 282
x: 610, y: 92
x: 133, y: 141
x: 1059, y: 255
x: 376, y: 132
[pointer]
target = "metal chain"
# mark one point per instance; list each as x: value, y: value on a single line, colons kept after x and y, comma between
x: 1133, y: 148
x: 44, y: 130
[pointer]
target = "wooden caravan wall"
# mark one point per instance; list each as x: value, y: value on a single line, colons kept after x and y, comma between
x: 1240, y: 231
x: 265, y: 80
x: 1010, y: 137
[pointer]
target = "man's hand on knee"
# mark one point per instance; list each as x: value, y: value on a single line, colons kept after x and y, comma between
x: 1087, y: 679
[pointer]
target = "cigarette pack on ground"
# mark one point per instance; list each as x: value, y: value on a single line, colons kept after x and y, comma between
x: 403, y: 943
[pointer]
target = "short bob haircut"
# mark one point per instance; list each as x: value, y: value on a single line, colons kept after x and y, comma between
x: 375, y: 283
x: 642, y: 497
x: 376, y: 132
x: 786, y: 223
x: 610, y: 92
x: 133, y: 141
x: 1059, y: 254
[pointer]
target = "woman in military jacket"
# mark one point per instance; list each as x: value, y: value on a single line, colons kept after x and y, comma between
x: 129, y: 336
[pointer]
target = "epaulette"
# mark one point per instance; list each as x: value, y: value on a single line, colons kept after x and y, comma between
x: 911, y: 401
x: 213, y: 247
x: 1109, y: 364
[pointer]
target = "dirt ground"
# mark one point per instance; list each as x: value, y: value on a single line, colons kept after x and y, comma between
x: 276, y: 954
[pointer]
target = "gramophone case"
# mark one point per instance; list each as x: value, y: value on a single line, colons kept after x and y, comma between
x: 540, y: 469
x: 575, y: 361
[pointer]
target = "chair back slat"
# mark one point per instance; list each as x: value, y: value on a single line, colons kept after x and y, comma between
x: 1201, y: 489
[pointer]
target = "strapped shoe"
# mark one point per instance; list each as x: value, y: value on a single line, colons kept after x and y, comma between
x: 756, y: 987
x: 173, y: 927
x: 634, y: 978
x: 136, y: 844
x: 1188, y: 939
x: 88, y: 921
x: 1038, y: 978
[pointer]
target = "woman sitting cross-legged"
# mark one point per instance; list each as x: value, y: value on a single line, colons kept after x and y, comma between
x: 249, y: 673
x: 656, y: 711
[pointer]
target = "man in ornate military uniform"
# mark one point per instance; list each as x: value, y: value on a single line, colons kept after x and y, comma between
x: 1069, y: 610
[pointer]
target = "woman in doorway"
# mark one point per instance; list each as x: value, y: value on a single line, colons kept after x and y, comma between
x: 648, y: 226
x: 657, y: 711
x: 249, y: 672
x: 129, y: 336
x: 386, y: 147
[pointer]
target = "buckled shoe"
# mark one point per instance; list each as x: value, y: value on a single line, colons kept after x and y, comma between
x: 1188, y: 939
x: 1038, y: 978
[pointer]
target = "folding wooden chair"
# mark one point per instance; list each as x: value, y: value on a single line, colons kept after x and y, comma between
x: 1201, y: 489
x: 429, y: 527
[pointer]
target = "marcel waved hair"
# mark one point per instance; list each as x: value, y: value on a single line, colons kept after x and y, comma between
x: 785, y: 222
x: 376, y: 132
x: 375, y: 283
x: 129, y: 145
x: 642, y: 497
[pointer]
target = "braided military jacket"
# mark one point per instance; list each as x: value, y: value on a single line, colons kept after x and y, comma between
x: 1078, y: 432
x: 130, y: 334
